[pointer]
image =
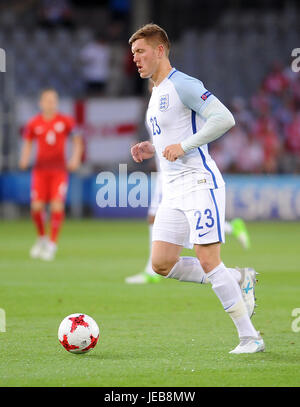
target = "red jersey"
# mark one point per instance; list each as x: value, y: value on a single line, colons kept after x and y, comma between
x: 51, y: 136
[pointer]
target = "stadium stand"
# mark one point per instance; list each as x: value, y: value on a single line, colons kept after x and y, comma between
x: 234, y: 57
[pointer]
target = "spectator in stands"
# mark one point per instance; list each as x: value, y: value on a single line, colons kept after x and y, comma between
x: 271, y: 146
x: 295, y: 90
x: 292, y: 144
x: 95, y: 59
x: 252, y: 156
x: 53, y: 13
x: 226, y: 151
x: 265, y: 129
x: 283, y: 113
x: 241, y: 113
x: 276, y: 82
x: 263, y: 124
x: 222, y: 160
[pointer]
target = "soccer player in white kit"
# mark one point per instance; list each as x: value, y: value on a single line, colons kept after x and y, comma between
x: 184, y: 117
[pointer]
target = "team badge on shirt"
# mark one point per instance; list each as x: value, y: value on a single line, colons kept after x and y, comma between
x: 205, y: 95
x: 59, y: 127
x: 164, y: 103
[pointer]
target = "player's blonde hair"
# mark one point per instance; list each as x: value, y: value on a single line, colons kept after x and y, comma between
x: 153, y: 34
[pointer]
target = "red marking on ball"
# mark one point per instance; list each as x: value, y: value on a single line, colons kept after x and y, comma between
x: 92, y: 344
x: 78, y: 321
x: 66, y: 345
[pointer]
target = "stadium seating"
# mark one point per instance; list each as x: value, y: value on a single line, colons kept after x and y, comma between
x: 245, y: 43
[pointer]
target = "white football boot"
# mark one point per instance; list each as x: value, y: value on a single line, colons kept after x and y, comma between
x: 247, y: 284
x: 143, y: 278
x: 249, y: 344
x: 38, y: 247
x: 49, y: 251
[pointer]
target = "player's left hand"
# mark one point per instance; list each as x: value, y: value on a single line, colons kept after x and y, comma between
x: 73, y: 165
x: 172, y: 152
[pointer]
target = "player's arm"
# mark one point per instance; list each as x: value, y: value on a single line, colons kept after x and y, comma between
x: 77, y: 150
x: 25, y: 154
x: 218, y: 119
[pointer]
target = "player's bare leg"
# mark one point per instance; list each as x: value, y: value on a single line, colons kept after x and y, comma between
x: 229, y: 293
x: 38, y: 217
x: 57, y: 215
x: 167, y: 262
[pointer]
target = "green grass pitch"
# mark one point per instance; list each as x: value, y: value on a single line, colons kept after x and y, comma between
x: 166, y: 334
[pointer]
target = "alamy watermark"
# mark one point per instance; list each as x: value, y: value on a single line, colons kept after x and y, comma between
x: 296, y: 322
x: 2, y: 60
x: 295, y: 65
x: 123, y: 190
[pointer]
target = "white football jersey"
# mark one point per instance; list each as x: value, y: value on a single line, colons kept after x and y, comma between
x: 174, y: 113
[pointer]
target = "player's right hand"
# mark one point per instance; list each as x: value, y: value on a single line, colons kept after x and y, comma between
x: 142, y: 151
x: 23, y: 165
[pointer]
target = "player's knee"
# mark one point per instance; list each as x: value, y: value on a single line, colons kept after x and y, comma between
x: 37, y: 206
x: 209, y: 257
x: 163, y: 267
x: 208, y: 264
x: 57, y: 206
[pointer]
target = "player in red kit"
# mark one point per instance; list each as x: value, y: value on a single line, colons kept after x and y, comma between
x: 50, y: 130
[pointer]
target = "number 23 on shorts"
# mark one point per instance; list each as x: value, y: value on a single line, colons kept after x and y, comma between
x: 206, y: 220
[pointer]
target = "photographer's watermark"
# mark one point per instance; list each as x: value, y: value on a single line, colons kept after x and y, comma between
x: 296, y: 322
x: 2, y: 60
x: 2, y: 320
x: 123, y: 190
x: 295, y: 65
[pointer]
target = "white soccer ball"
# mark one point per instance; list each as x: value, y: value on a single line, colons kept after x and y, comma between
x: 78, y: 333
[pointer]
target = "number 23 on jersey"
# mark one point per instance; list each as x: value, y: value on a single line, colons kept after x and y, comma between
x: 155, y: 126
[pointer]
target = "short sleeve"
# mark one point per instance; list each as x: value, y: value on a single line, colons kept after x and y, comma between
x: 70, y: 125
x: 28, y: 131
x: 191, y: 92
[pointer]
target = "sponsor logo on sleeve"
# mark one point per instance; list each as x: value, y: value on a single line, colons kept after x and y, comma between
x: 205, y: 95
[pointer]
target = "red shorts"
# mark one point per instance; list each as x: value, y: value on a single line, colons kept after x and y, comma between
x: 49, y: 185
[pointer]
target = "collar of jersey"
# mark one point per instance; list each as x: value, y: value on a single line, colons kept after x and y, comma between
x: 171, y: 73
x: 167, y: 77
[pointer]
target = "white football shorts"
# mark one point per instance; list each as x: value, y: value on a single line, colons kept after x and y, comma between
x: 202, y: 225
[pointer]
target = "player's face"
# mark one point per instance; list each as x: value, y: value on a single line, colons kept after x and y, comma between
x: 49, y: 102
x: 146, y: 57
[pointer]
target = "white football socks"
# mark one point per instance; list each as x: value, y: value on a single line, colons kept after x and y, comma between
x: 235, y: 274
x: 188, y: 269
x: 225, y: 285
x: 229, y: 293
x: 227, y: 228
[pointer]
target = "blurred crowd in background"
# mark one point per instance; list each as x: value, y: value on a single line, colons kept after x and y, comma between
x: 266, y: 138
x: 241, y: 55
